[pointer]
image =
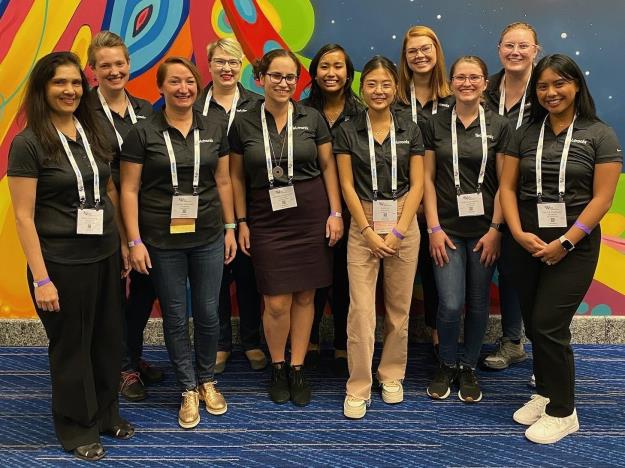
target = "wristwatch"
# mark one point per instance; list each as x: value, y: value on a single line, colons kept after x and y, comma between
x: 496, y: 226
x: 566, y: 244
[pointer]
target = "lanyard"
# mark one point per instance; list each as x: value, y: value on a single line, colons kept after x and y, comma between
x: 109, y: 115
x: 196, y: 161
x: 454, y: 149
x: 233, y: 107
x: 79, y: 180
x: 289, y: 130
x: 372, y: 162
x: 413, y: 104
x: 502, y: 101
x: 563, y: 160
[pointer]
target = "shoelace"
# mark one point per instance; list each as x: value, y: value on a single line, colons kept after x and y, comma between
x: 130, y: 377
x: 211, y: 390
x: 536, y: 401
x: 392, y: 383
x: 188, y: 398
x: 468, y: 376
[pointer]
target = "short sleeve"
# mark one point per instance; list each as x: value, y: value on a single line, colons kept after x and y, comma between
x: 504, y: 137
x: 416, y: 140
x: 428, y: 135
x: 514, y: 142
x: 224, y: 147
x: 23, y: 158
x: 133, y: 149
x: 608, y: 148
x: 234, y: 140
x: 322, y: 133
x: 340, y: 145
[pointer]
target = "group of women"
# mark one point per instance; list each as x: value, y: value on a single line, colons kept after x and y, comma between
x: 430, y: 167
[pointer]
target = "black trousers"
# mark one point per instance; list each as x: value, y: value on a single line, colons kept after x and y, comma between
x: 85, y: 349
x: 338, y: 296
x: 550, y: 296
x: 137, y: 309
x: 241, y: 272
x: 425, y: 269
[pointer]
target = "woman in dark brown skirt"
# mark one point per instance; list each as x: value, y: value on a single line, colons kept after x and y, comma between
x: 288, y: 216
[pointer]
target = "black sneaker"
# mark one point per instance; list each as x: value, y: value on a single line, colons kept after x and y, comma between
x: 469, y: 387
x: 439, y: 386
x: 131, y: 387
x: 279, y: 384
x: 149, y: 373
x: 300, y: 388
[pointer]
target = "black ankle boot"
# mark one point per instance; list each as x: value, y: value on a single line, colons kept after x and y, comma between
x: 300, y: 388
x: 279, y: 384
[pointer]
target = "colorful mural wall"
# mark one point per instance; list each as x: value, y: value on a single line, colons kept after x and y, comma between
x: 154, y: 29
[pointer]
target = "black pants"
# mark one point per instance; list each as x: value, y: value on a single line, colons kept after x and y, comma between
x: 137, y: 309
x: 339, y: 297
x: 242, y: 273
x: 425, y: 269
x: 84, y: 350
x: 550, y: 296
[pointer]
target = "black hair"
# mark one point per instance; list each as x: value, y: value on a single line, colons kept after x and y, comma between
x: 379, y: 61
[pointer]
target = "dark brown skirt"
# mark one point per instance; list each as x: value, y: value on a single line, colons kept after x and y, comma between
x: 289, y: 249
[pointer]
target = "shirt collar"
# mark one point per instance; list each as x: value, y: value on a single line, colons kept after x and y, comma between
x: 161, y: 123
x: 96, y: 104
x: 360, y: 121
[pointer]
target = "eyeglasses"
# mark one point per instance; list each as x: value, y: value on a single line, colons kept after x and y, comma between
x: 425, y: 50
x: 277, y: 78
x: 473, y: 79
x: 373, y: 86
x: 510, y: 46
x: 220, y: 63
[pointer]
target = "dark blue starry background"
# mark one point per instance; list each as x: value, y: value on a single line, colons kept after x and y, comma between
x: 592, y: 32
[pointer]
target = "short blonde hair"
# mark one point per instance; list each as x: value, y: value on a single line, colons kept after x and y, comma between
x: 103, y: 40
x: 228, y: 45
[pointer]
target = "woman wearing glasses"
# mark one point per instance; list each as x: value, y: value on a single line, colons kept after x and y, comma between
x: 225, y: 95
x: 506, y: 94
x: 558, y: 182
x: 464, y: 152
x: 423, y: 91
x: 280, y: 152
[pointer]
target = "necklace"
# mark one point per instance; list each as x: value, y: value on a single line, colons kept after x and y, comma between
x: 277, y: 169
x: 332, y: 117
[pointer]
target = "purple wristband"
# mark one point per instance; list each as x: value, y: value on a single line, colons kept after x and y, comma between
x: 398, y: 234
x: 135, y: 242
x: 435, y: 229
x: 42, y: 282
x: 583, y: 227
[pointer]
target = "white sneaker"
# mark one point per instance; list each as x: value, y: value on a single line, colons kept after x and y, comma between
x: 532, y: 381
x: 354, y: 408
x: 531, y: 411
x: 549, y: 429
x: 392, y: 392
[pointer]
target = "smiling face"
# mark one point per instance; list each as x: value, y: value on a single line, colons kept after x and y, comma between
x: 280, y: 67
x: 420, y: 54
x: 378, y: 89
x: 556, y: 93
x: 111, y: 69
x: 332, y: 72
x: 468, y: 82
x: 225, y: 69
x: 64, y: 90
x: 518, y: 50
x: 179, y: 87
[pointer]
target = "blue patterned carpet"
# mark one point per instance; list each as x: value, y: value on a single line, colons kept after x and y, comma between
x: 255, y: 432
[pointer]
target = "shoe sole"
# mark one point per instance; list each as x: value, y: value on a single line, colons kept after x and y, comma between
x: 280, y: 402
x: 353, y: 413
x: 553, y: 440
x: 392, y: 399
x: 495, y: 366
x: 217, y: 412
x: 469, y: 399
x: 134, y: 399
x: 301, y: 405
x: 190, y: 425
x: 524, y: 422
x: 436, y: 396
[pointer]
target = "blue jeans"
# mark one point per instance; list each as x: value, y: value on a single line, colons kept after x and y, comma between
x: 511, y: 317
x: 463, y: 278
x: 203, y: 266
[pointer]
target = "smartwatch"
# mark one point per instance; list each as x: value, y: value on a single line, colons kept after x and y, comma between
x: 566, y: 244
x: 496, y: 226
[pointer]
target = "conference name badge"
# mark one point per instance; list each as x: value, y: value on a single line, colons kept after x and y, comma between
x: 90, y: 222
x: 282, y: 198
x: 384, y: 216
x: 551, y: 215
x: 470, y: 204
x: 184, y: 210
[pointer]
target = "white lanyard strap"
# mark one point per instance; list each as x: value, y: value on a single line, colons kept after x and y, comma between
x: 563, y: 160
x: 413, y: 104
x: 372, y: 161
x: 289, y: 130
x: 196, y: 161
x: 233, y: 107
x: 109, y: 115
x: 94, y: 167
x: 454, y: 149
x: 502, y: 101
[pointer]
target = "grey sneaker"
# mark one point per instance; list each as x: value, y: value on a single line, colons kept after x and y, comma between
x: 506, y: 353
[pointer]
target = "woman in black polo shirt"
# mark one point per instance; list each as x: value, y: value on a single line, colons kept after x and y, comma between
x: 381, y: 168
x: 175, y: 192
x: 559, y: 180
x: 464, y: 153
x: 64, y: 202
x: 279, y: 151
x: 423, y: 91
x: 332, y: 75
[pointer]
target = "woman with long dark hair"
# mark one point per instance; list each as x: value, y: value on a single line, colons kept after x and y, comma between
x: 65, y: 207
x: 558, y: 182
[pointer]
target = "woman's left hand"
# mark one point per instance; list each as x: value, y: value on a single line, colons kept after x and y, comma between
x: 392, y: 241
x: 334, y: 229
x: 490, y: 245
x: 230, y: 246
x: 552, y: 253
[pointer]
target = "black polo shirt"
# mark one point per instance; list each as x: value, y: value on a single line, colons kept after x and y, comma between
x: 246, y: 139
x: 593, y: 142
x: 492, y: 95
x: 424, y: 113
x: 145, y: 144
x: 247, y: 100
x: 437, y: 138
x: 352, y: 138
x: 350, y: 110
x: 142, y: 108
x: 56, y: 203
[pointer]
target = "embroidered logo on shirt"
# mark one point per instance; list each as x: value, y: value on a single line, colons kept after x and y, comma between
x: 402, y: 142
x: 209, y: 140
x: 581, y: 142
x: 479, y: 135
x: 442, y: 104
x: 241, y: 110
x: 141, y: 116
x: 300, y: 128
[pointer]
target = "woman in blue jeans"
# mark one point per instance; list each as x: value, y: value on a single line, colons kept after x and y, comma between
x: 175, y: 191
x: 464, y: 150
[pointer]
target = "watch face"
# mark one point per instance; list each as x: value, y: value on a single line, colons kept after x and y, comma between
x: 567, y: 244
